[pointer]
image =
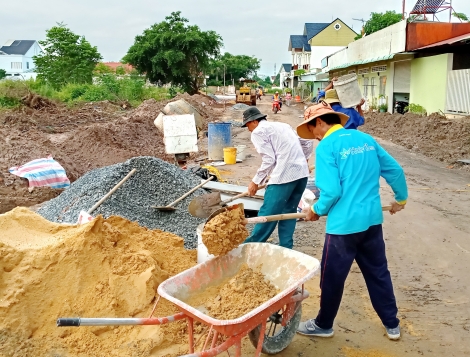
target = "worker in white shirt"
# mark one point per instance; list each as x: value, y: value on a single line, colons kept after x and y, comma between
x: 284, y: 159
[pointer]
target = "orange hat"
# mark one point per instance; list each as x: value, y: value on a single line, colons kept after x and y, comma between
x: 316, y: 111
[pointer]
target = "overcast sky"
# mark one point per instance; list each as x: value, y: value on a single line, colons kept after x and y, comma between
x: 259, y: 28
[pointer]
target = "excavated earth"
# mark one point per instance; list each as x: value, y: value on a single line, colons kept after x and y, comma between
x: 83, y: 138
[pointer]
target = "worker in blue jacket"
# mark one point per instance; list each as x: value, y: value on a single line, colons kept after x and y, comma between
x: 356, y: 115
x: 349, y: 164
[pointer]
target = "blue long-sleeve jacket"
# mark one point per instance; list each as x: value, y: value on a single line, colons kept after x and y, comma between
x: 349, y: 164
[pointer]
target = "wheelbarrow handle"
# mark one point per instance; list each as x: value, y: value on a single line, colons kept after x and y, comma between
x: 224, y: 203
x: 105, y: 321
x: 285, y: 216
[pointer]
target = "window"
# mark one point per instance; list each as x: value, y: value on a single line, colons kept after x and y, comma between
x: 363, y: 70
x: 372, y: 86
x: 337, y: 26
x: 366, y: 87
x: 352, y: 72
x: 382, y: 85
x: 379, y: 68
x: 27, y: 65
x: 16, y: 65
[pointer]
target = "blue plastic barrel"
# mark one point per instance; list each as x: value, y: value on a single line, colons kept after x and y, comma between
x: 219, y: 137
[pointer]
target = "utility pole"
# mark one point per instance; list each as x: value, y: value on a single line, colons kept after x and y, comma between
x: 224, y: 78
x: 363, y: 22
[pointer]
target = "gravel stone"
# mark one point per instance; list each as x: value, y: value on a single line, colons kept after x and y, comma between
x: 155, y: 183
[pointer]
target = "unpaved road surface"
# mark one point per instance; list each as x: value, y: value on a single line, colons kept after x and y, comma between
x: 428, y: 249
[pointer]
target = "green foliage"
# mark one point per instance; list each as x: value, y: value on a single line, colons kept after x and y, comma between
x: 172, y: 92
x: 461, y: 16
x: 3, y: 74
x: 101, y: 68
x: 67, y: 58
x: 379, y: 21
x: 277, y: 80
x: 299, y: 72
x: 176, y: 53
x: 11, y: 93
x: 236, y: 67
x: 416, y: 109
x: 383, y: 107
x: 120, y: 71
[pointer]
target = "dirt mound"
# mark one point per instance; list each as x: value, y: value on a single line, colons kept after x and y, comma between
x: 106, y: 268
x: 83, y: 138
x: 434, y: 136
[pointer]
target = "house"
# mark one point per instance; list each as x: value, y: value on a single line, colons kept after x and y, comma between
x: 424, y: 63
x: 114, y: 65
x: 16, y: 58
x: 284, y: 74
x: 318, y: 40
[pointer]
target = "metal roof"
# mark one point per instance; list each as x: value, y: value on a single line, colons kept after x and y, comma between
x: 299, y: 41
x: 449, y: 41
x: 370, y: 60
x: 18, y: 47
x: 313, y: 29
x: 287, y: 67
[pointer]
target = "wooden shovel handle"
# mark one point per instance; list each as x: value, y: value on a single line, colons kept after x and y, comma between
x: 190, y: 191
x: 105, y: 197
x: 224, y: 203
x: 283, y: 217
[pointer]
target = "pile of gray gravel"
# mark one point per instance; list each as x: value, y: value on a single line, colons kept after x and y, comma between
x: 156, y: 183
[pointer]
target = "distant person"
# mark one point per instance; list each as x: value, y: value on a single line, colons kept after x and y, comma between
x: 288, y: 98
x: 258, y: 95
x: 356, y: 116
x: 277, y: 97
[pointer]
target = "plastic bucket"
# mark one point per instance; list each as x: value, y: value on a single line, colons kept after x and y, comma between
x: 348, y: 90
x: 241, y: 155
x: 230, y: 156
x: 219, y: 137
x: 202, y: 253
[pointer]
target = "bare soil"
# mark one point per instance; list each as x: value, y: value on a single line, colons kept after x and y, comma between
x: 435, y: 136
x: 80, y: 139
x: 428, y: 251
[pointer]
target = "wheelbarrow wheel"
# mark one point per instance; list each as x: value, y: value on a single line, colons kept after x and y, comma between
x: 277, y: 337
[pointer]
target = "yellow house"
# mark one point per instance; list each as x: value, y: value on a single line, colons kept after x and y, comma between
x: 325, y: 39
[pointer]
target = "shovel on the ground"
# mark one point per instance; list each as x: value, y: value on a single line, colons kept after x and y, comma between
x: 170, y: 206
x: 203, y: 206
x: 85, y: 216
x: 265, y: 219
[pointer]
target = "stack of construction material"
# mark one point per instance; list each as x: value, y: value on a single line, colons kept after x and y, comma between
x: 156, y: 183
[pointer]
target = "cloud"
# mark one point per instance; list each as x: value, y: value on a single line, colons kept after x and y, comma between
x: 259, y: 29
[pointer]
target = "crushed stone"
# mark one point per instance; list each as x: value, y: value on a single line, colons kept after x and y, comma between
x: 155, y: 183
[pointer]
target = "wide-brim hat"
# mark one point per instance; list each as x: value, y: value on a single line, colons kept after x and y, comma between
x: 331, y: 96
x: 252, y: 114
x: 316, y: 111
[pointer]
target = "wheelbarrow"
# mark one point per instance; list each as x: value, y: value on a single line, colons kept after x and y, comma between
x: 270, y: 327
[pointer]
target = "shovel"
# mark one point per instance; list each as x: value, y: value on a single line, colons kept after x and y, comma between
x: 265, y: 219
x: 203, y: 206
x: 85, y: 216
x: 170, y: 206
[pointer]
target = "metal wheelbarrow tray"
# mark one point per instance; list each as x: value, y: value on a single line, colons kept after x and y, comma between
x: 286, y: 269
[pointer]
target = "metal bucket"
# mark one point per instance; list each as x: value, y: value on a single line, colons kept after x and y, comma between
x: 219, y: 137
x: 348, y: 91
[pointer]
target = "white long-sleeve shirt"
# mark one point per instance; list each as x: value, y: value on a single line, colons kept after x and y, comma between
x: 284, y: 155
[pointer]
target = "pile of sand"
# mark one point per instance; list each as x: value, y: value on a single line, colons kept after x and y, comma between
x: 225, y: 232
x: 106, y: 268
x: 231, y: 299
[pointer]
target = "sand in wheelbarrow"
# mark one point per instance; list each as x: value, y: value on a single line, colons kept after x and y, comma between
x: 105, y: 268
x: 225, y: 232
x: 236, y: 296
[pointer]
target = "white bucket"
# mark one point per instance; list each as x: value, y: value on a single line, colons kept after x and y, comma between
x: 348, y: 90
x: 202, y: 253
x: 241, y: 155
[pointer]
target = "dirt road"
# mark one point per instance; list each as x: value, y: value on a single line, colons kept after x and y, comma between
x: 428, y: 249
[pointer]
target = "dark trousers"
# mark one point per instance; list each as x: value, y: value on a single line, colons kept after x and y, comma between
x: 282, y: 198
x: 368, y: 249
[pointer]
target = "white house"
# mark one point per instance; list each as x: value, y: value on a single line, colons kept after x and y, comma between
x: 284, y: 74
x: 16, y: 58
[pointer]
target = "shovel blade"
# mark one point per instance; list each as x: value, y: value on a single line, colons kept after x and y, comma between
x: 203, y: 206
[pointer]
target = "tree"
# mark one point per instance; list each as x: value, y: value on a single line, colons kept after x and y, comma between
x: 236, y: 67
x: 173, y: 52
x: 3, y: 74
x: 461, y: 16
x: 67, y: 58
x: 379, y: 21
x: 277, y: 81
